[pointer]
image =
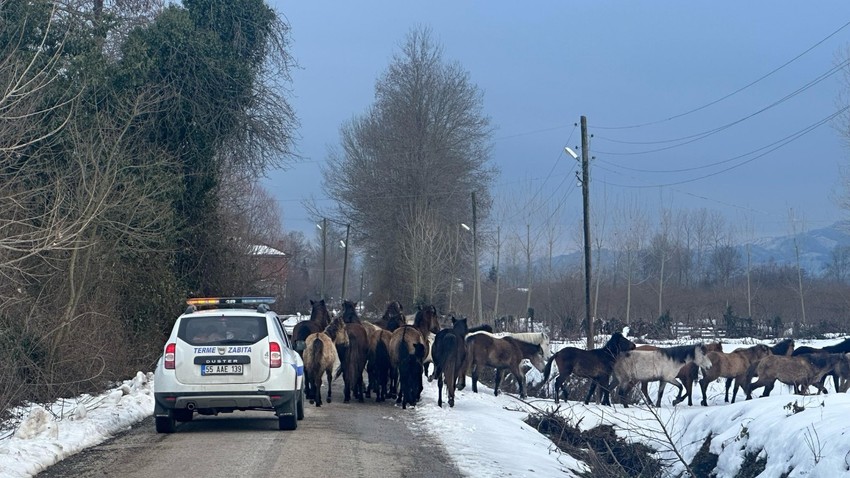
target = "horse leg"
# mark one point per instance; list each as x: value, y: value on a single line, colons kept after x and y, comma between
x: 317, y: 387
x: 309, y: 390
x: 728, y: 384
x: 644, y: 388
x: 590, y: 390
x: 474, y: 377
x: 450, y: 384
x: 661, y: 386
x: 520, y: 378
x: 329, y: 372
x: 674, y: 382
x: 768, y: 388
x: 498, y: 381
x: 703, y: 386
x: 440, y: 390
x: 559, y: 384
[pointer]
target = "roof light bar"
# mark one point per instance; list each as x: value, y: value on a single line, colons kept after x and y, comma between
x: 230, y: 300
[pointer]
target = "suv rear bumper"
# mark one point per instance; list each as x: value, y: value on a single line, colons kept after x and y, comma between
x: 282, y: 402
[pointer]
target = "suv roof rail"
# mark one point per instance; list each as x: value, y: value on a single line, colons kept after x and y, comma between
x: 198, y: 303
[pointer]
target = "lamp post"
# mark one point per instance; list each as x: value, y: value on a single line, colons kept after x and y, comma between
x: 324, y: 228
x: 344, y: 244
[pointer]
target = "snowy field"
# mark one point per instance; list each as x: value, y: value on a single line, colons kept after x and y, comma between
x: 798, y: 436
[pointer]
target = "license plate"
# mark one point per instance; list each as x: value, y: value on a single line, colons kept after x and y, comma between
x: 234, y: 369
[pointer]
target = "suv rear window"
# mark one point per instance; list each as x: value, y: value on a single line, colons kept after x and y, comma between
x: 220, y: 330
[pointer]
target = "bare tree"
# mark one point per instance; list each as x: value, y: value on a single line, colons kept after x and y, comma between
x: 421, y: 149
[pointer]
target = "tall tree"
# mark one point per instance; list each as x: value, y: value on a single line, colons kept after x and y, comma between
x: 406, y: 168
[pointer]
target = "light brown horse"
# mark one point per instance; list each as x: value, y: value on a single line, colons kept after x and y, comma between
x: 798, y: 371
x: 731, y: 365
x: 485, y: 349
x: 320, y: 356
x: 320, y: 318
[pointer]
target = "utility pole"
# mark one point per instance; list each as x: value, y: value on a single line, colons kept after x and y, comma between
x: 477, y: 291
x: 585, y: 193
x: 324, y: 253
x: 528, y: 275
x: 498, y: 252
x: 345, y: 261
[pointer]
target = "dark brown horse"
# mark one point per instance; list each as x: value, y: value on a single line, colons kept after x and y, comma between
x: 393, y: 317
x: 485, y: 349
x: 449, y: 353
x: 320, y: 318
x: 407, y: 352
x: 842, y: 347
x: 349, y: 312
x: 597, y: 365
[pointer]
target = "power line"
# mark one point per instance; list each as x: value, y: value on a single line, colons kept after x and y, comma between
x: 702, y: 135
x: 776, y: 145
x: 724, y: 97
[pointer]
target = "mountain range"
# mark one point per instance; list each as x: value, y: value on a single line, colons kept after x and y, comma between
x: 816, y: 248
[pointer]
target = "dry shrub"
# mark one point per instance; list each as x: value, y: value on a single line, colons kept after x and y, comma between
x: 600, y: 448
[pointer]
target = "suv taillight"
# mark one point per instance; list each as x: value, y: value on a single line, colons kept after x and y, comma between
x: 169, y: 355
x: 275, y: 357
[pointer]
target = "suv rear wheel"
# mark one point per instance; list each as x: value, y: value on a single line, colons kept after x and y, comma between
x: 166, y: 424
x: 287, y: 422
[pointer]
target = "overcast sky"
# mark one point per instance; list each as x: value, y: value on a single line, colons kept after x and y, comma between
x: 669, y: 71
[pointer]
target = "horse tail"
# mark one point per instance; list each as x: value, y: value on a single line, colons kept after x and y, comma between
x: 548, y: 368
x: 317, y: 351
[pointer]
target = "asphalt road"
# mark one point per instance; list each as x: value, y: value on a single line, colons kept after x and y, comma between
x: 351, y: 440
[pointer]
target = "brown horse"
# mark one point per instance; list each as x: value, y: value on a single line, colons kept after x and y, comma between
x: 731, y: 365
x: 798, y: 371
x: 485, y: 349
x: 427, y: 322
x: 320, y: 318
x: 382, y: 375
x: 688, y: 374
x: 407, y: 353
x: 596, y: 365
x: 320, y: 357
x: 353, y: 359
x: 449, y: 353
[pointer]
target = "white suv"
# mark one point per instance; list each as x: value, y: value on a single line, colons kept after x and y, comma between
x: 227, y: 354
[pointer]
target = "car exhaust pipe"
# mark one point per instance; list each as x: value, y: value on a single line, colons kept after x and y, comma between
x: 190, y: 405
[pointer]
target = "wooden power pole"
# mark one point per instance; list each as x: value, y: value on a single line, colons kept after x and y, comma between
x: 585, y: 193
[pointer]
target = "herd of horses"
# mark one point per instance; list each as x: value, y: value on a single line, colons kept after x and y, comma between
x: 621, y: 364
x: 395, y: 355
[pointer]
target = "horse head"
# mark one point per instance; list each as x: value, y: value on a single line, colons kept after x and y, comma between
x: 701, y: 357
x: 459, y: 327
x: 349, y: 312
x: 618, y: 343
x: 337, y: 332
x: 319, y: 312
x: 427, y: 319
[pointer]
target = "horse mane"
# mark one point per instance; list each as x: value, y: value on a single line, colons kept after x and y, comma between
x: 782, y: 347
x: 680, y: 353
x: 841, y: 347
x: 319, y: 312
x: 481, y: 328
x: 523, y: 345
